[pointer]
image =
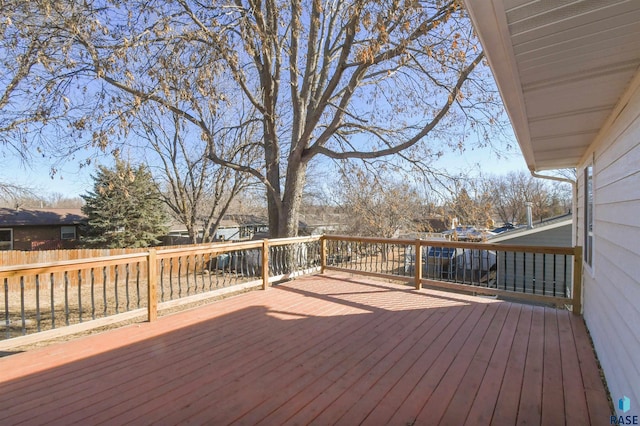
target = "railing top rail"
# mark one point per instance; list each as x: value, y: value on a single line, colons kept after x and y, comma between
x: 458, y: 244
x: 62, y: 265
x: 210, y: 248
x: 293, y: 240
x: 373, y: 240
x: 93, y: 262
x: 500, y: 247
x: 224, y: 247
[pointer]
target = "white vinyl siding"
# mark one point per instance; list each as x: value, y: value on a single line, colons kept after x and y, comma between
x: 612, y: 286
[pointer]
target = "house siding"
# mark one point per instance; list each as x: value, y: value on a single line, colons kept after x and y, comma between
x: 29, y: 237
x: 548, y: 274
x: 612, y: 284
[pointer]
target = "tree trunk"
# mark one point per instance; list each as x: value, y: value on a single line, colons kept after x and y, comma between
x: 294, y: 185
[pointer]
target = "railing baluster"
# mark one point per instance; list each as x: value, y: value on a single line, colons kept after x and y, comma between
x: 79, y: 295
x: 544, y: 272
x: 210, y: 271
x: 93, y: 301
x: 53, y: 307
x: 283, y: 259
x: 162, y: 280
x: 22, y: 314
x: 187, y: 275
x: 221, y: 272
x: 533, y: 275
x: 501, y: 278
x: 179, y: 277
x: 486, y: 263
x: 7, y: 321
x: 524, y: 272
x: 104, y: 291
x: 126, y: 285
x: 242, y: 259
x: 565, y: 279
x: 38, y: 302
x: 515, y: 270
x: 138, y: 282
x: 202, y: 271
x: 386, y: 258
x: 233, y: 268
x: 555, y: 274
x: 66, y: 297
x: 171, y: 279
x: 115, y: 286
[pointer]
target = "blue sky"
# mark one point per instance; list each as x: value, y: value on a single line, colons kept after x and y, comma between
x: 72, y: 181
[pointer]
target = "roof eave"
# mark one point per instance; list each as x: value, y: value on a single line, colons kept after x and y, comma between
x: 489, y: 21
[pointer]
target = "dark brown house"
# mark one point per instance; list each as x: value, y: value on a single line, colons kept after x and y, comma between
x: 40, y: 229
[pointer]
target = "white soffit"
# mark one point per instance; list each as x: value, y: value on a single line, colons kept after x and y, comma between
x: 561, y: 66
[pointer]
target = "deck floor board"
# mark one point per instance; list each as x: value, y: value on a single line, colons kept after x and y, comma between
x: 322, y: 349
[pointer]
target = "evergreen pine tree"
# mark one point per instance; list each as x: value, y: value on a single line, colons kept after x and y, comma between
x: 124, y: 209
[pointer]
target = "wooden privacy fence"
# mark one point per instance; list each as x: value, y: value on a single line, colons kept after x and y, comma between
x: 66, y: 296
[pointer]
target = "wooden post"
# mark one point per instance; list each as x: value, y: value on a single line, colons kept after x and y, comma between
x: 152, y: 285
x: 323, y: 254
x: 417, y: 268
x: 265, y: 264
x: 576, y: 293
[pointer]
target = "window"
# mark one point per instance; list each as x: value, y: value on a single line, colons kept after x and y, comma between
x: 588, y: 215
x: 6, y: 239
x: 68, y: 233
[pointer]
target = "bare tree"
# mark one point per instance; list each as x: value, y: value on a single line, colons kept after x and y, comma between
x: 341, y: 79
x: 471, y: 203
x: 12, y: 194
x: 60, y: 201
x: 377, y: 204
x: 513, y: 191
x: 197, y: 191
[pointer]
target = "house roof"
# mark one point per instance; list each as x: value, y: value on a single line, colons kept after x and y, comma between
x: 233, y: 220
x: 545, y: 225
x: 40, y: 217
x: 228, y: 221
x: 561, y: 68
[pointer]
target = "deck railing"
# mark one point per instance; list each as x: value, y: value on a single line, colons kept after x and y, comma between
x: 54, y: 298
x: 57, y: 298
x: 540, y: 274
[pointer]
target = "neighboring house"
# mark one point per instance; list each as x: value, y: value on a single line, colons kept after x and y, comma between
x: 467, y: 233
x: 40, y: 229
x: 568, y: 73
x: 238, y: 227
x: 320, y: 228
x: 548, y: 272
x: 233, y: 227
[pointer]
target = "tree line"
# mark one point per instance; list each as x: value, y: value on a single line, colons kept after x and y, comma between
x: 385, y: 204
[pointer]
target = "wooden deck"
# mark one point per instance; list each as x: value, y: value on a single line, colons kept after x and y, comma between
x: 333, y: 349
